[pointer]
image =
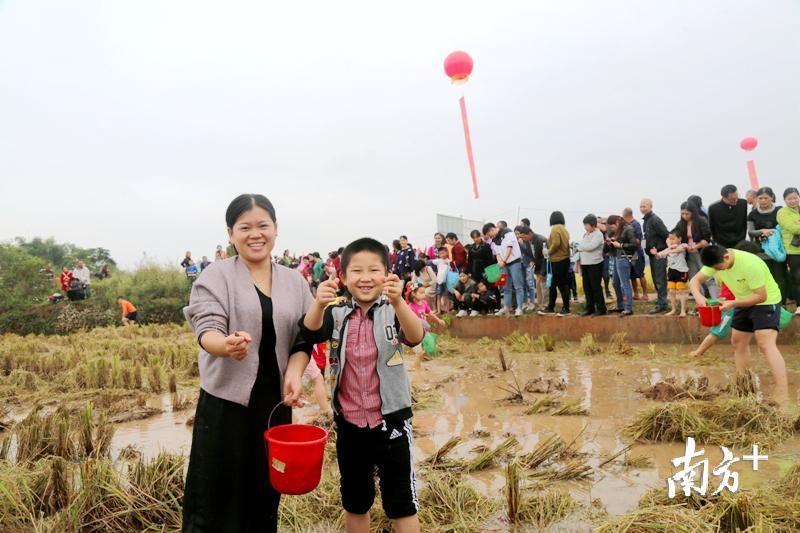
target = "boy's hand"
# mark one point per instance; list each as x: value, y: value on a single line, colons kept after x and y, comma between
x: 653, y: 251
x: 236, y: 344
x: 393, y: 288
x: 326, y: 292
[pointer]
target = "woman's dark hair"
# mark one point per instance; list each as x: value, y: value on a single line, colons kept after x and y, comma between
x: 557, y: 217
x: 438, y: 234
x: 526, y: 222
x: 419, y: 266
x: 452, y: 236
x: 365, y: 244
x: 790, y: 190
x: 475, y: 233
x: 591, y: 220
x: 395, y: 245
x: 692, y: 207
x: 748, y: 246
x: 245, y: 202
x: 766, y: 190
x: 696, y: 200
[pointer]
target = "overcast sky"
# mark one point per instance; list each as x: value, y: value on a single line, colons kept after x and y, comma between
x: 131, y: 124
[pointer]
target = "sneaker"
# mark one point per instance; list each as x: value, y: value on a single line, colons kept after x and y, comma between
x: 461, y: 314
x: 518, y: 312
x: 563, y: 312
x: 798, y: 310
x: 474, y: 313
x: 657, y: 311
x: 545, y: 312
x: 502, y: 312
x: 615, y: 310
x: 626, y: 313
x: 587, y: 313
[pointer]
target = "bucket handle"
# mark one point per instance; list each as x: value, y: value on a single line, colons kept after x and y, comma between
x: 303, y: 403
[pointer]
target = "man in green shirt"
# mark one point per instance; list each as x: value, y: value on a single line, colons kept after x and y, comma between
x: 757, y: 309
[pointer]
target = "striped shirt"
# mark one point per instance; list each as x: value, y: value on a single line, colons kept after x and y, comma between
x: 359, y: 387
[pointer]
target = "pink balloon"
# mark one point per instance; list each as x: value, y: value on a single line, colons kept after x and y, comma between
x: 749, y: 144
x: 458, y: 66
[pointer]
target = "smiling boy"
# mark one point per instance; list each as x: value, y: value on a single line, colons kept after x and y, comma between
x: 756, y: 308
x: 371, y: 391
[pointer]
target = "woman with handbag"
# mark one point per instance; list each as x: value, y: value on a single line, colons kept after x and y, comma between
x: 761, y: 225
x: 623, y: 247
x: 789, y: 220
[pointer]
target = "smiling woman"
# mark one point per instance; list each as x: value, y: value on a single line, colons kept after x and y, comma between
x: 245, y: 312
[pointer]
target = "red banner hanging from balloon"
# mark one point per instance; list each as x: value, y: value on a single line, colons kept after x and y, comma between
x: 469, y: 147
x: 751, y: 172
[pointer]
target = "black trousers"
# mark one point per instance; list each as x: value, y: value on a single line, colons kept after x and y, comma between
x: 794, y: 275
x: 227, y: 485
x: 560, y: 270
x: 593, y: 288
x: 778, y: 271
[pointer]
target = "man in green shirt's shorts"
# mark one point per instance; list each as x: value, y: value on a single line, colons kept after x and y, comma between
x: 757, y: 309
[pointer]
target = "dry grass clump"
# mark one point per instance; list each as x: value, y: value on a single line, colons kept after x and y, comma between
x: 423, y: 397
x: 320, y: 510
x: 449, y: 503
x: 545, y: 451
x: 542, y: 404
x: 589, y: 346
x: 725, y: 421
x: 638, y: 462
x: 742, y: 384
x: 571, y: 469
x: 519, y: 342
x: 438, y: 458
x: 546, y: 507
x: 489, y: 457
x: 675, y: 519
x: 572, y: 408
x: 547, y: 342
x: 619, y: 346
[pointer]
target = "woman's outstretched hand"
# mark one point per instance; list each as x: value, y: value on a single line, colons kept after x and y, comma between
x: 236, y: 345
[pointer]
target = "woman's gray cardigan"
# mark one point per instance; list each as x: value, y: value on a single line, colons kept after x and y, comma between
x: 224, y: 299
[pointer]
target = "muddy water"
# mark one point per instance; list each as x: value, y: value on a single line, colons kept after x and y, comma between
x: 468, y: 398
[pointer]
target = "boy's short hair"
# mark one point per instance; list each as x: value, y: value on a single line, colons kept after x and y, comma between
x: 487, y: 227
x: 451, y: 235
x: 591, y: 220
x: 677, y: 232
x: 441, y: 249
x: 364, y: 244
x: 713, y: 255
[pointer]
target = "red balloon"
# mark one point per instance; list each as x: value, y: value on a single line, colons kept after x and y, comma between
x: 749, y: 144
x: 458, y: 66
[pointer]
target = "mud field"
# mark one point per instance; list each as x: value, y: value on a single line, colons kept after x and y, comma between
x: 568, y: 437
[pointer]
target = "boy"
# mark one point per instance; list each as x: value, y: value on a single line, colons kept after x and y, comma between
x: 677, y: 269
x: 484, y: 301
x: 462, y: 294
x: 756, y: 308
x: 371, y: 391
x: 129, y: 313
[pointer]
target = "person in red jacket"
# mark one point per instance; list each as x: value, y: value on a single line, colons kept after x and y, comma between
x: 66, y: 277
x: 458, y: 253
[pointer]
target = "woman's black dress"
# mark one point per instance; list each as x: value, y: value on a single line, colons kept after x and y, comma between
x: 227, y: 485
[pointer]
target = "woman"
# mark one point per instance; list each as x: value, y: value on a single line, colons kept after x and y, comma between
x: 425, y: 277
x: 696, y: 235
x: 789, y: 220
x: 479, y: 256
x: 591, y: 250
x: 405, y: 260
x: 245, y: 312
x: 558, y: 252
x: 761, y: 224
x: 438, y: 242
x: 623, y: 247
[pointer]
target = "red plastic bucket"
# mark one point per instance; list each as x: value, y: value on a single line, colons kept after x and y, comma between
x: 501, y: 282
x: 295, y: 457
x: 710, y: 315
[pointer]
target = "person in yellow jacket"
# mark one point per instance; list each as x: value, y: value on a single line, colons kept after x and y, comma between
x: 558, y: 249
x: 789, y: 221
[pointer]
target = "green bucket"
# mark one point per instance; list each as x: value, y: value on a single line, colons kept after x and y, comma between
x: 492, y: 273
x: 786, y: 318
